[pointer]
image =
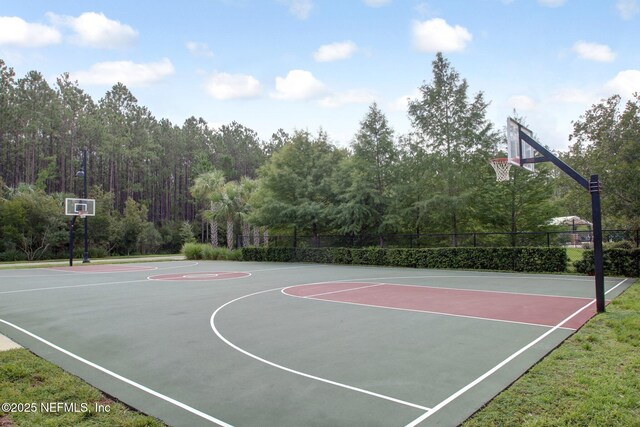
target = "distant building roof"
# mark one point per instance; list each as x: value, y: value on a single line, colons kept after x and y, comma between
x: 568, y: 220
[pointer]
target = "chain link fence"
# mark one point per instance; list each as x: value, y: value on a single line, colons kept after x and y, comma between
x: 569, y: 239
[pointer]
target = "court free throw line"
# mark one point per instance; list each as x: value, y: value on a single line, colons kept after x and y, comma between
x: 293, y: 371
x: 123, y: 379
x: 412, y: 310
x: 491, y: 371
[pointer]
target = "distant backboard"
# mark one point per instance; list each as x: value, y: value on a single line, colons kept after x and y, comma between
x: 517, y: 149
x: 79, y: 207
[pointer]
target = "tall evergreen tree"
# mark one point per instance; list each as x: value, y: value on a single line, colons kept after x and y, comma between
x: 368, y: 178
x: 451, y: 141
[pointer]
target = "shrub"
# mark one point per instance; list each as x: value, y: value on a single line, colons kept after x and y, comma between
x: 192, y: 250
x: 510, y: 259
x: 207, y: 252
x: 12, y: 255
x: 368, y: 256
x: 616, y: 262
x: 622, y: 244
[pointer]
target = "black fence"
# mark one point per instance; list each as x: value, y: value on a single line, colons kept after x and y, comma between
x: 572, y: 239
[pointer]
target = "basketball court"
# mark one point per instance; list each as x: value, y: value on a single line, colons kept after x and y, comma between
x: 255, y: 344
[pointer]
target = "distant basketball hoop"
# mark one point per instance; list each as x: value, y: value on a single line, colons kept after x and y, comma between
x: 502, y: 167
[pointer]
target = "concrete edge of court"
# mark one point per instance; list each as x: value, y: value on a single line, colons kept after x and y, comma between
x: 7, y: 344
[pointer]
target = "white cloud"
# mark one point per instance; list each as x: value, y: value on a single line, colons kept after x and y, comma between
x: 335, y: 51
x: 354, y: 96
x: 625, y: 83
x: 298, y: 85
x: 435, y: 35
x: 521, y: 103
x: 627, y: 8
x: 401, y: 104
x: 552, y: 3
x: 96, y: 30
x: 376, y: 3
x: 299, y: 8
x: 226, y: 86
x: 594, y: 51
x: 126, y: 72
x: 17, y: 32
x: 574, y: 96
x: 199, y: 49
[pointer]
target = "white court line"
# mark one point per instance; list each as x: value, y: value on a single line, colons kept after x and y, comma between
x: 48, y: 271
x: 179, y: 266
x: 488, y: 291
x: 133, y: 270
x: 281, y: 268
x: 333, y: 292
x: 293, y: 371
x: 498, y: 366
x: 195, y: 275
x: 505, y: 277
x: 412, y: 310
x: 123, y: 379
x: 60, y: 269
x: 85, y: 285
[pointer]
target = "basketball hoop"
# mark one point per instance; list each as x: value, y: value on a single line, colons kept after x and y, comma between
x: 82, y: 214
x: 501, y: 166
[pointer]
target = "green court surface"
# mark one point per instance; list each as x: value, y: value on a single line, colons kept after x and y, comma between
x: 267, y: 344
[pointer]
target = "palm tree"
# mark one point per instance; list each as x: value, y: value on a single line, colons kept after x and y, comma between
x: 248, y: 187
x: 207, y: 188
x: 227, y: 202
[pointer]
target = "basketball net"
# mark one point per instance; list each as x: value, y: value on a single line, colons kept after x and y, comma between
x: 501, y: 166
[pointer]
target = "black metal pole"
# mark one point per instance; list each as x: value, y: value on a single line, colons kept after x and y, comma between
x: 596, y: 218
x: 593, y: 187
x: 71, y: 237
x: 85, y: 255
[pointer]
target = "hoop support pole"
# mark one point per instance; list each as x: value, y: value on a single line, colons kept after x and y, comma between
x: 71, y: 238
x: 592, y: 186
x: 598, y: 257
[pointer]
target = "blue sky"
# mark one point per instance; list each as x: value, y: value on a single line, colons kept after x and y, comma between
x: 311, y: 64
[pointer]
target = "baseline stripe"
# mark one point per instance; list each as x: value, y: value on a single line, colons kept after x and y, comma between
x: 123, y: 379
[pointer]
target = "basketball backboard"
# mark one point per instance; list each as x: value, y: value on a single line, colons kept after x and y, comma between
x: 79, y: 207
x: 516, y: 148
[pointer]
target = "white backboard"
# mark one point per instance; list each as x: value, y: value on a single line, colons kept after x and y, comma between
x: 516, y: 151
x: 75, y: 207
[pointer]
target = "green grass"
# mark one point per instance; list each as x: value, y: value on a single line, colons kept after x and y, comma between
x: 574, y: 254
x: 592, y: 379
x: 25, y: 379
x: 120, y: 259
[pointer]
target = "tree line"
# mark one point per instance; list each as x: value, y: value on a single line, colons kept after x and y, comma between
x: 435, y: 179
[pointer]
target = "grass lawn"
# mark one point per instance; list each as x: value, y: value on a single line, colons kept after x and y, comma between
x: 574, y: 254
x: 28, y: 379
x: 592, y: 379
